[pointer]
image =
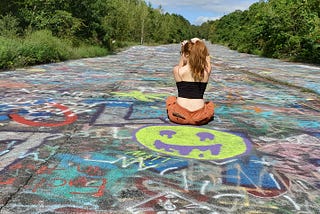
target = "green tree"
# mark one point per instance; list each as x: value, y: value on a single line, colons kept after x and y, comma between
x: 9, y: 26
x: 276, y: 28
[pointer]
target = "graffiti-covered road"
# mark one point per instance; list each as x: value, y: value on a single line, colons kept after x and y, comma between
x: 91, y: 136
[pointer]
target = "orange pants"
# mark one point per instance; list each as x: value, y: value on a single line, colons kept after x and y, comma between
x: 180, y: 115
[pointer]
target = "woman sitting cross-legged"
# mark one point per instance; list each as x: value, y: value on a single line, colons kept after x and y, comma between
x: 191, y: 76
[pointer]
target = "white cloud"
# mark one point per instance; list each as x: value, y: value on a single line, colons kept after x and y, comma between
x: 202, y: 19
x: 199, y: 11
x: 216, y: 6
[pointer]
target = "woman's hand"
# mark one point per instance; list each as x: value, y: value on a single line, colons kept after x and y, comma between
x: 184, y: 42
x: 194, y: 40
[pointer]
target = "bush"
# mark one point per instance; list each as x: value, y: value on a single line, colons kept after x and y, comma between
x: 9, y: 26
x: 8, y: 52
x: 43, y: 47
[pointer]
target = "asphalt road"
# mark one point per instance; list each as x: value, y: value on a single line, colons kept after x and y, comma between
x: 92, y: 136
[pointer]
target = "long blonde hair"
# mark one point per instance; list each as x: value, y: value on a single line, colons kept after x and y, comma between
x: 196, y: 53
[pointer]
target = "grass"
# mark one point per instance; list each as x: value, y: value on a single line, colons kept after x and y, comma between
x: 42, y: 47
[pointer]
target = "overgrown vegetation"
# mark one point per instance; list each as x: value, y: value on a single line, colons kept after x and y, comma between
x: 286, y: 29
x: 41, y: 31
x: 42, y: 47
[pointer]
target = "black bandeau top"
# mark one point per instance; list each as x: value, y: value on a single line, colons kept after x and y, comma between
x: 191, y: 90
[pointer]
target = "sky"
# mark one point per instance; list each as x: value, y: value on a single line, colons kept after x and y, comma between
x: 199, y: 11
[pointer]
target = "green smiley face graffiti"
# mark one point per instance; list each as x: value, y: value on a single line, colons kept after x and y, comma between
x: 193, y: 142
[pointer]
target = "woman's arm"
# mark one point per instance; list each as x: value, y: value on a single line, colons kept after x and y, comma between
x: 175, y: 72
x: 182, y: 61
x: 209, y: 67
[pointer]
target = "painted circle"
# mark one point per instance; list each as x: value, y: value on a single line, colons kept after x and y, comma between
x: 192, y: 142
x: 70, y: 117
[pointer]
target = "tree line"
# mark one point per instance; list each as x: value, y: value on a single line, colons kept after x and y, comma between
x: 98, y: 21
x: 107, y: 24
x: 286, y: 29
x: 42, y: 31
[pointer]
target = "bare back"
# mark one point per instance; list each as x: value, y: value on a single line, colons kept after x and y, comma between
x: 183, y: 73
